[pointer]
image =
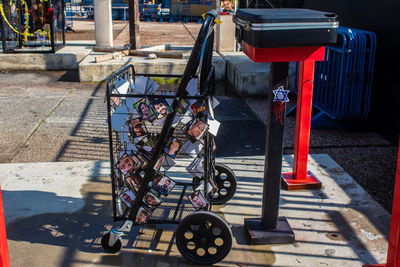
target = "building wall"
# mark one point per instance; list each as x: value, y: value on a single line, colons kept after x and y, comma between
x: 383, y: 18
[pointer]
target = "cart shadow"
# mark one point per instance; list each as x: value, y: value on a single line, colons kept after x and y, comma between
x: 80, y: 230
x: 33, y: 216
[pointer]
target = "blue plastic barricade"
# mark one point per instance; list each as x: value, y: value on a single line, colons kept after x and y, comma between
x: 342, y: 83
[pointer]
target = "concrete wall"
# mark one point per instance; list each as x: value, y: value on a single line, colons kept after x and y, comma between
x: 380, y: 17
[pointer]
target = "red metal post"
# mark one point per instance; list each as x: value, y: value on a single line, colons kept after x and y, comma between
x: 393, y: 256
x: 4, y: 258
x: 393, y: 259
x: 300, y: 178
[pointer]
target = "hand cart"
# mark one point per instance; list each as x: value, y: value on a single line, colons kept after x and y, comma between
x: 146, y: 133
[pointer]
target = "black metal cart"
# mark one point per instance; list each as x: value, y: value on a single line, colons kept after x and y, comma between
x: 147, y: 185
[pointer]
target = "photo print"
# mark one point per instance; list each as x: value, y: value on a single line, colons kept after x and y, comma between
x: 196, y: 167
x: 143, y: 107
x: 183, y: 105
x: 173, y: 147
x: 161, y: 108
x: 159, y: 162
x: 142, y: 216
x: 197, y: 199
x: 151, y: 201
x: 115, y: 99
x: 162, y: 184
x: 137, y: 127
x: 143, y: 162
x: 128, y: 197
x: 128, y: 163
x: 196, y: 129
x: 121, y: 87
x: 199, y: 109
x: 147, y: 144
x: 134, y: 181
x: 192, y: 149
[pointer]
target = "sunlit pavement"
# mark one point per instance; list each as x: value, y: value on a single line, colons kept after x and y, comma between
x: 56, y: 214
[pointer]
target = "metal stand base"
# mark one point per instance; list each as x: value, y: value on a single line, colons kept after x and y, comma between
x: 283, y: 234
x: 309, y: 182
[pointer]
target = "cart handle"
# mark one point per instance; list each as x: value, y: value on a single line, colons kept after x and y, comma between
x: 190, y: 70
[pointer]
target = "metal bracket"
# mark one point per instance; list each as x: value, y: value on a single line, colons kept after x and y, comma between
x: 126, y: 227
x: 116, y: 234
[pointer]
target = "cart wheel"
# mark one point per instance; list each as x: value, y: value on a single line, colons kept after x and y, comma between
x: 226, y: 182
x: 204, y: 238
x: 114, y: 249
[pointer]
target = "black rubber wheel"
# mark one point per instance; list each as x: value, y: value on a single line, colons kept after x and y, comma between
x: 204, y: 238
x: 114, y: 249
x: 226, y: 182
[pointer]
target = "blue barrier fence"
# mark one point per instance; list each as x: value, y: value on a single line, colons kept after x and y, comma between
x: 343, y: 82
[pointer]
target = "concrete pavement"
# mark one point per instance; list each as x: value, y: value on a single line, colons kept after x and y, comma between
x: 56, y: 212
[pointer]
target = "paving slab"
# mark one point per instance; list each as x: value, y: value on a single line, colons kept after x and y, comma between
x: 368, y: 157
x: 25, y: 100
x: 75, y: 131
x: 66, y: 58
x: 57, y: 212
x: 89, y: 70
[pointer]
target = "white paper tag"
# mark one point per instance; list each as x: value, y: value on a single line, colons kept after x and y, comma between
x: 177, y: 119
x: 168, y: 163
x: 215, y: 102
x: 118, y: 118
x: 191, y: 87
x: 140, y: 83
x: 187, y: 117
x: 213, y: 127
x: 201, y: 187
x: 196, y: 167
x: 122, y: 86
x: 151, y: 87
x: 192, y: 149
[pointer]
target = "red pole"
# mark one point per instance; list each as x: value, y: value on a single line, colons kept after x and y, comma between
x: 300, y: 178
x: 393, y: 257
x: 303, y: 119
x: 4, y: 258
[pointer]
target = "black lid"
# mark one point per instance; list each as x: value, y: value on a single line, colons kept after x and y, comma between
x: 282, y: 15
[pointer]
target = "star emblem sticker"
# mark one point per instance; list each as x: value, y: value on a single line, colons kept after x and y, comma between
x: 280, y: 95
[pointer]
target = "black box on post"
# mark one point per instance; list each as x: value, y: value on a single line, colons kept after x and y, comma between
x: 285, y: 27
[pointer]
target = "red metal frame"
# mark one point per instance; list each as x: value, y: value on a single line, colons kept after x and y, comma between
x: 393, y: 256
x: 284, y: 54
x: 4, y: 258
x: 300, y: 178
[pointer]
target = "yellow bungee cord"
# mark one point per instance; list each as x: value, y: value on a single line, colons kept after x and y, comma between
x: 26, y: 32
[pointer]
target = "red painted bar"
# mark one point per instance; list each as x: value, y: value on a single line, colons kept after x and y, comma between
x: 4, y: 258
x: 303, y: 118
x: 393, y: 259
x: 300, y: 178
x: 284, y: 54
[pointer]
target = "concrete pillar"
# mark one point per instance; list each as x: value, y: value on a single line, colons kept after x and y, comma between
x: 226, y: 41
x: 103, y: 23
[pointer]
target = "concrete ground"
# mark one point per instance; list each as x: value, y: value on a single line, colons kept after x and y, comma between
x: 57, y: 212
